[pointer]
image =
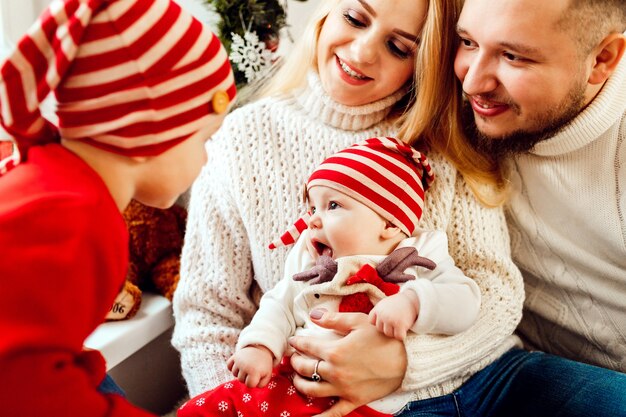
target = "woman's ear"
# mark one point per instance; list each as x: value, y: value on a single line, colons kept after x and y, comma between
x: 607, y: 56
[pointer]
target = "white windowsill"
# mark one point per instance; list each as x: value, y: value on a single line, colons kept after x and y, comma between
x: 120, y: 339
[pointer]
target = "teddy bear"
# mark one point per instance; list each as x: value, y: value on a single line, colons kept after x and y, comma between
x: 155, y: 243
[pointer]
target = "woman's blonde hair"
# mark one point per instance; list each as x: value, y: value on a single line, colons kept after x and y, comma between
x: 434, y: 122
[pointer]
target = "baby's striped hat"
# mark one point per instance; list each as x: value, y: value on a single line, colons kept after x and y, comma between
x: 384, y: 173
x: 134, y: 77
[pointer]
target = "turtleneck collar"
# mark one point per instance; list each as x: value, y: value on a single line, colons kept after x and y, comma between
x: 603, y: 112
x: 320, y: 105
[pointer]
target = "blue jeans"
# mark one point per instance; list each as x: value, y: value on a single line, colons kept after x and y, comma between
x: 109, y: 386
x: 531, y: 384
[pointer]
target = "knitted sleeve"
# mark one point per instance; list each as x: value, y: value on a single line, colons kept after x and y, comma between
x: 213, y: 300
x: 479, y: 243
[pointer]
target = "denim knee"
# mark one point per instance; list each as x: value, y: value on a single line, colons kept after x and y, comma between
x: 549, y: 385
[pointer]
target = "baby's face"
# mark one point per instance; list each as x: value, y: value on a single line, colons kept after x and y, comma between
x: 342, y: 226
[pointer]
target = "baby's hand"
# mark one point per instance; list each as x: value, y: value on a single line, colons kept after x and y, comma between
x: 252, y: 365
x: 394, y: 315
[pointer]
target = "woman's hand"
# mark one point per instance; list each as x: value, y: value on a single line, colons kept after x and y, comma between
x: 359, y: 368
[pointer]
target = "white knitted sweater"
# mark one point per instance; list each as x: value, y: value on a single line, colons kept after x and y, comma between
x: 568, y: 229
x: 250, y: 192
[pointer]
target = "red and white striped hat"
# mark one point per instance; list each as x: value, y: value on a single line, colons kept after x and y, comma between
x: 385, y: 174
x: 134, y: 77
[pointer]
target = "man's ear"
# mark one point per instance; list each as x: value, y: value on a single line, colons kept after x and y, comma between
x: 607, y: 56
x: 390, y: 231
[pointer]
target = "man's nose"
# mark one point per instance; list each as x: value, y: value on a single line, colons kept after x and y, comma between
x: 477, y: 73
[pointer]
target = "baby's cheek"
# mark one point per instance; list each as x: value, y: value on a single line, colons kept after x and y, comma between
x: 311, y: 249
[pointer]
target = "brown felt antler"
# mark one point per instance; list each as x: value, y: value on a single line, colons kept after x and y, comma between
x: 324, y: 270
x: 392, y: 268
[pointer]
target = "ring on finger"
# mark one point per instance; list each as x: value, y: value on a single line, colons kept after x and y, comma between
x: 315, y: 376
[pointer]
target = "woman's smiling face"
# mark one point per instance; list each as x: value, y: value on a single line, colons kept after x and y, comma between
x: 366, y: 48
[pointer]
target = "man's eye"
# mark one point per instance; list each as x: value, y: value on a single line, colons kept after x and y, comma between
x: 511, y: 57
x: 466, y: 42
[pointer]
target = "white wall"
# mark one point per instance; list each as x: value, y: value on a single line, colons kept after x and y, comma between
x: 16, y: 16
x: 298, y: 13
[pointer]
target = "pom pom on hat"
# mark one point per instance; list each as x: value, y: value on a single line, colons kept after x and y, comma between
x: 134, y: 77
x: 384, y: 173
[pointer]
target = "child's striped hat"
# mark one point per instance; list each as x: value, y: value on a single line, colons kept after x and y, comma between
x: 134, y: 77
x: 385, y: 174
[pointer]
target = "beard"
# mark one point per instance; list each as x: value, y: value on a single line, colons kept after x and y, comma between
x: 545, y: 126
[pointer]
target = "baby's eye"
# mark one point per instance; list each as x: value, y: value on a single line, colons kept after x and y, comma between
x: 312, y: 210
x: 332, y: 205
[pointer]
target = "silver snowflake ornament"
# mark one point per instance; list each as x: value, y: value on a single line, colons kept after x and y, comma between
x: 251, y: 55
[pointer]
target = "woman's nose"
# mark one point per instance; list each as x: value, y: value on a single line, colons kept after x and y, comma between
x: 364, y: 49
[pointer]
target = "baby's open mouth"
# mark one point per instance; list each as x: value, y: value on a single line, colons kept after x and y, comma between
x: 322, y: 249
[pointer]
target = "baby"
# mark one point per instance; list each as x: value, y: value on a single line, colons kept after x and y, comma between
x: 357, y: 249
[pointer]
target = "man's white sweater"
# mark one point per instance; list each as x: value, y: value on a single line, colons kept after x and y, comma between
x: 251, y: 190
x: 568, y: 229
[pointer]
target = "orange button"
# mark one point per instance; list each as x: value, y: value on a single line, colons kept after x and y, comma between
x: 220, y: 102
